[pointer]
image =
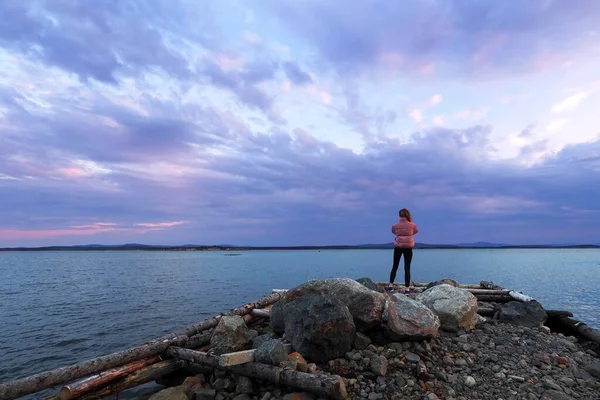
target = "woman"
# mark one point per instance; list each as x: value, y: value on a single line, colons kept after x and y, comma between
x: 404, y: 230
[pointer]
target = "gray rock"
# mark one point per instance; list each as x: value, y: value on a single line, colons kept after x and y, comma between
x: 404, y: 318
x: 379, y: 365
x: 243, y: 396
x: 400, y: 382
x: 470, y: 381
x: 267, y: 396
x: 320, y: 328
x: 219, y: 384
x: 593, y: 369
x: 244, y: 385
x: 456, y: 308
x: 530, y: 313
x: 365, y: 305
x: 412, y: 357
x: 555, y: 395
x: 362, y: 341
x: 172, y: 393
x: 204, y: 394
x: 445, y: 281
x: 271, y: 352
x: 257, y: 341
x: 229, y: 385
x: 231, y: 334
x: 368, y: 282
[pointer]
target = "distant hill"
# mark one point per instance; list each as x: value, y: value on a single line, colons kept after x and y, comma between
x: 483, y: 244
x: 190, y: 247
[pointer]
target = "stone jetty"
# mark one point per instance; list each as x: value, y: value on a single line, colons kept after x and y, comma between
x: 433, y: 345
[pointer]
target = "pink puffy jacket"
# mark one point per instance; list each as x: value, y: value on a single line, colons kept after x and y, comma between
x: 404, y: 231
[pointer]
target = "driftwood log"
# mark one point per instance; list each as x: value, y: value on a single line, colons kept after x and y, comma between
x: 48, y: 379
x: 95, y: 381
x: 330, y: 386
x: 579, y: 328
x: 144, y: 375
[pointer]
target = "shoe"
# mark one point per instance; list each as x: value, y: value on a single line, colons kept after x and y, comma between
x: 408, y: 291
x: 389, y: 287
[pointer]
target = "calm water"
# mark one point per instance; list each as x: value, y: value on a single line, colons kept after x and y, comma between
x: 58, y: 308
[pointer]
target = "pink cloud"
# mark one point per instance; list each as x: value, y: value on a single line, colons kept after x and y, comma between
x: 435, y: 100
x: 84, y: 230
x: 161, y: 224
x: 416, y: 115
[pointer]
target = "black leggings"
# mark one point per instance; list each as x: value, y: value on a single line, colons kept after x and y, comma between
x: 398, y: 252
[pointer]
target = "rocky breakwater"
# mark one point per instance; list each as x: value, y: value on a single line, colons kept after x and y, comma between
x: 382, y: 346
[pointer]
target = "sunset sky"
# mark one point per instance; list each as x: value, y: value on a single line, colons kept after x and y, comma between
x: 270, y: 122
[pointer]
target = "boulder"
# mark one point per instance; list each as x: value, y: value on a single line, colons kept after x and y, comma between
x: 456, y: 308
x: 271, y: 352
x: 368, y: 283
x: 408, y: 319
x: 276, y: 320
x: 231, y: 334
x: 593, y: 369
x: 365, y: 305
x: 319, y: 328
x: 172, y: 393
x: 257, y: 341
x: 530, y: 313
x: 362, y: 341
x: 445, y: 281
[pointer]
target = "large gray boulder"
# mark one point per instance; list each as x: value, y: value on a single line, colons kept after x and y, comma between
x: 365, y: 305
x: 276, y: 321
x: 231, y: 334
x: 368, y: 283
x: 320, y: 328
x: 456, y: 308
x: 408, y: 319
x: 530, y: 313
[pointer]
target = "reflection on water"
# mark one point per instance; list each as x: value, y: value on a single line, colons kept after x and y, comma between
x: 58, y: 308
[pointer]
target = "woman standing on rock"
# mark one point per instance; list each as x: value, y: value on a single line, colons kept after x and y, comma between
x: 404, y: 230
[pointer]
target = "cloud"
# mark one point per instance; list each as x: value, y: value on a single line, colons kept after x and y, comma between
x: 416, y: 115
x: 470, y: 39
x: 435, y: 100
x: 556, y: 124
x: 295, y: 74
x: 570, y: 103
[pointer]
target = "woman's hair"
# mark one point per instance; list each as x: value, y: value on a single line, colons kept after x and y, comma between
x: 404, y: 213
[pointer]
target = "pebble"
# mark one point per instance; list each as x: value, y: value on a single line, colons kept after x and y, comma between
x: 412, y: 357
x: 470, y: 381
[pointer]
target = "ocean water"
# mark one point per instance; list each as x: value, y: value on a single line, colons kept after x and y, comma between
x: 59, y: 308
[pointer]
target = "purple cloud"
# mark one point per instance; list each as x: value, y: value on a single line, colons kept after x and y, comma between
x: 295, y: 74
x: 478, y: 38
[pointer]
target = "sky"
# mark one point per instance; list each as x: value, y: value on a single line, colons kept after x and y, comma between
x: 282, y: 122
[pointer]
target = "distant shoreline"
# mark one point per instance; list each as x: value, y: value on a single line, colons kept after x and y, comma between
x: 250, y: 248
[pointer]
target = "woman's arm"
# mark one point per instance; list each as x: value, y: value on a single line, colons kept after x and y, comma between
x: 415, y: 229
